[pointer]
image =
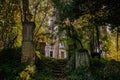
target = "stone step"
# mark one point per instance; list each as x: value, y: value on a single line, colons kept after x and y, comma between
x: 59, y: 66
x: 61, y: 79
x: 59, y: 75
x: 62, y: 60
x: 58, y: 70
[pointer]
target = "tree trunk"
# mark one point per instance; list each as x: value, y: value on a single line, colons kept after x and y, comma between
x: 98, y: 37
x: 117, y: 39
x: 92, y: 47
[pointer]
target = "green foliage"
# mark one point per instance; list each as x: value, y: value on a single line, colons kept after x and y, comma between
x: 12, y: 69
x: 112, y: 70
x: 10, y: 55
x: 45, y: 65
x: 9, y: 23
x: 41, y: 11
x: 71, y: 9
x: 80, y: 74
x: 9, y: 63
x: 98, y: 13
x: 8, y: 12
x: 104, y: 69
x: 100, y: 69
x: 113, y: 53
x: 27, y: 73
x: 82, y: 15
x: 70, y: 65
x: 8, y: 71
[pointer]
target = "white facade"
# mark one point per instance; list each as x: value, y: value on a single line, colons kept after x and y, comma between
x: 50, y: 51
x: 57, y: 50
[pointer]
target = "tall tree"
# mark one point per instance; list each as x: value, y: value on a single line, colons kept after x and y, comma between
x: 9, y: 10
x: 101, y: 11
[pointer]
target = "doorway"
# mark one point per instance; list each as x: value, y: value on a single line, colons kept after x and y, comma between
x: 62, y: 55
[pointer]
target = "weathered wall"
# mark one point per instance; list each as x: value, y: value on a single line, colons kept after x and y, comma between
x: 82, y: 58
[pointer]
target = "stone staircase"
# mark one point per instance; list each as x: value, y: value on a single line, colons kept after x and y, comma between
x: 59, y: 69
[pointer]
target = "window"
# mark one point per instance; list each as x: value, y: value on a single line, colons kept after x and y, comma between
x: 51, y: 53
x: 61, y: 45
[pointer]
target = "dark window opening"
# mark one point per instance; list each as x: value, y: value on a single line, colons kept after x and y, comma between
x: 51, y: 53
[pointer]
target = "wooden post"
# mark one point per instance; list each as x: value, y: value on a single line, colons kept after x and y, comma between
x: 28, y: 54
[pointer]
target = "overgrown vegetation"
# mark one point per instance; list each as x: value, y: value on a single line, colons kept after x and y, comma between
x: 45, y: 67
x: 83, y: 23
x: 9, y: 63
x: 12, y: 69
x: 99, y: 70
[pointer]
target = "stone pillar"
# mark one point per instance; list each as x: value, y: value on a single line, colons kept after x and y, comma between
x: 56, y: 48
x: 28, y: 54
x: 82, y: 58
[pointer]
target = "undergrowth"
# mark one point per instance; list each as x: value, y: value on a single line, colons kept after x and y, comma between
x: 12, y: 69
x: 100, y: 69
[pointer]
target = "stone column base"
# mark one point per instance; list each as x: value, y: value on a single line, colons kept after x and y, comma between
x: 28, y: 54
x: 82, y: 58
